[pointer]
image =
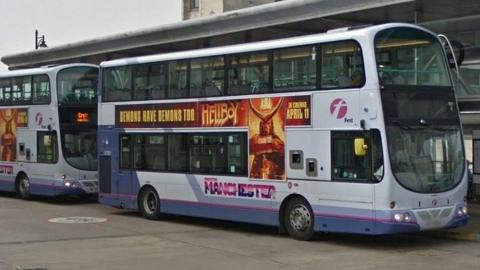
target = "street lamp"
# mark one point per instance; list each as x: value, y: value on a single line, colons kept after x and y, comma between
x: 40, y: 41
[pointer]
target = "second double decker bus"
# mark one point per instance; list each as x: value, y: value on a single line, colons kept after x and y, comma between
x: 48, y: 130
x: 348, y: 131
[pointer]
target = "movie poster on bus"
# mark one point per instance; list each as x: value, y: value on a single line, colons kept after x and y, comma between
x: 232, y: 113
x: 297, y: 110
x: 265, y: 118
x: 10, y: 120
x: 266, y: 128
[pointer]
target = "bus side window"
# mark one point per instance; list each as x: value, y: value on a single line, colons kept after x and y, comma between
x: 125, y: 153
x: 342, y: 65
x: 118, y: 84
x: 248, y: 74
x: 5, y: 88
x: 377, y: 156
x: 346, y: 164
x: 349, y: 165
x: 41, y: 89
x: 237, y: 156
x: 47, y: 151
x: 294, y: 69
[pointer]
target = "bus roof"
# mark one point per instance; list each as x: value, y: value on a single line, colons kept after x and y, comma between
x: 41, y: 70
x: 329, y: 36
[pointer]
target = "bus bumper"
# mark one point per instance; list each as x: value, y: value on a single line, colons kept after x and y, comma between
x: 65, y: 188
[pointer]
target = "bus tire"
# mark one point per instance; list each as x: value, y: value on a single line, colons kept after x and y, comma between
x: 299, y: 219
x: 149, y: 203
x: 23, y: 187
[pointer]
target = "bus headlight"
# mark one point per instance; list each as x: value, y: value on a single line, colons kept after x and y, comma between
x: 70, y: 183
x: 403, y: 217
x: 462, y: 211
x: 407, y: 217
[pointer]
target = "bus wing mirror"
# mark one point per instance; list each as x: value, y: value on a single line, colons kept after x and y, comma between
x: 459, y: 51
x: 455, y: 51
x: 360, y: 147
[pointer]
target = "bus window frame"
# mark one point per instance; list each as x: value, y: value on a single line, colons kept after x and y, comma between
x: 130, y: 135
x: 226, y: 57
x: 55, y: 139
x: 4, y: 102
x: 369, y: 138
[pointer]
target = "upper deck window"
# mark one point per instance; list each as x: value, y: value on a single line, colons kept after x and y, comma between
x: 295, y: 69
x: 333, y: 65
x: 342, y: 65
x: 77, y: 85
x: 178, y: 79
x: 248, y: 74
x: 207, y: 77
x: 149, y: 81
x: 25, y: 90
x: 41, y: 89
x: 409, y: 56
x: 118, y: 83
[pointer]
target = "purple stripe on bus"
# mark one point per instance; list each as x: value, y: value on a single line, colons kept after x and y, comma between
x: 383, y: 220
x: 222, y: 205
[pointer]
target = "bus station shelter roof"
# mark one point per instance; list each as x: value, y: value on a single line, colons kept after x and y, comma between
x: 275, y: 20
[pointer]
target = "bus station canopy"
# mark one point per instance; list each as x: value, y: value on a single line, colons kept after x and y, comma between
x: 275, y: 20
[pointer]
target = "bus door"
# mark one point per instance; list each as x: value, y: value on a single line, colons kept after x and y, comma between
x: 115, y: 171
x: 123, y: 180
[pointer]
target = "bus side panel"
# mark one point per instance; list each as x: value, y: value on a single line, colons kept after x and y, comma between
x: 119, y: 192
x: 7, y: 182
x: 198, y: 195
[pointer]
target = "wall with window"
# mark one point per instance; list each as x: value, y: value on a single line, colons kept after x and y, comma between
x: 201, y: 8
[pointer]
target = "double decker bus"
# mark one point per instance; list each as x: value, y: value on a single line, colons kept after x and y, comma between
x: 48, y: 130
x: 353, y: 131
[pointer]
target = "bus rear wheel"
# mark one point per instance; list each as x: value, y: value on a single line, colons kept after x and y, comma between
x: 23, y: 187
x: 299, y: 219
x: 149, y: 203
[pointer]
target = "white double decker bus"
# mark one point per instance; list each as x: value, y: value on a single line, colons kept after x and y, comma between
x: 351, y: 131
x: 48, y: 130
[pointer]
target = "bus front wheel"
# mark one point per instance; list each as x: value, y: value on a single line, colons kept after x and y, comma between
x: 149, y: 203
x: 23, y: 187
x: 299, y: 219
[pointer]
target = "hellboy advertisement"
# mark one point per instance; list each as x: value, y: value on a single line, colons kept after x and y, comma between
x: 10, y: 120
x: 265, y: 118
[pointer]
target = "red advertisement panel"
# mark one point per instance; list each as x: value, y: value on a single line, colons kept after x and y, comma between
x: 10, y: 120
x: 298, y: 111
x: 191, y: 114
x: 231, y: 113
x: 267, y: 138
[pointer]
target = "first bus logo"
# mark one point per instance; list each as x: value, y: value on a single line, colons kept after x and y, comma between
x: 339, y: 109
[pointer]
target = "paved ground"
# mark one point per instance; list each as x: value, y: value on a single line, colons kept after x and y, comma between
x: 127, y: 241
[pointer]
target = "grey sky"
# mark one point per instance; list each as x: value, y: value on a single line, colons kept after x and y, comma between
x: 65, y: 21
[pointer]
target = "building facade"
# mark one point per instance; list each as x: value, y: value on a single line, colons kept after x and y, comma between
x: 200, y: 8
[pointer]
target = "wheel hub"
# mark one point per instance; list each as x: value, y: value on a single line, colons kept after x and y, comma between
x: 24, y: 186
x: 300, y: 218
x: 150, y: 203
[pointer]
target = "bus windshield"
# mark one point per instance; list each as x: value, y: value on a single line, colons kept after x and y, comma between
x: 421, y: 116
x: 77, y: 85
x: 80, y: 148
x: 408, y: 56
